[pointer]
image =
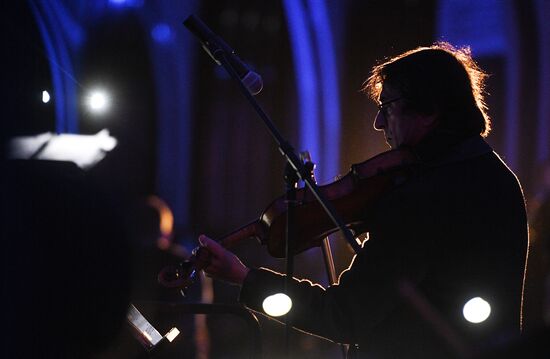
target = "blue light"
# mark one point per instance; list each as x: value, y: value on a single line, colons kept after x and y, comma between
x: 316, y: 70
x: 126, y: 3
x: 307, y: 85
x: 162, y: 33
x: 480, y: 25
x: 57, y: 49
x: 118, y: 2
x: 329, y: 89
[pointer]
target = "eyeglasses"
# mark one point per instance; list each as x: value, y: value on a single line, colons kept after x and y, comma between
x: 383, y: 105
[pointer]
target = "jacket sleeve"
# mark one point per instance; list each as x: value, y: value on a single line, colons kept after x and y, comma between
x: 367, y: 292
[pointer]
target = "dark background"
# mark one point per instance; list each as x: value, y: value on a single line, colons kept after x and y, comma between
x: 213, y: 161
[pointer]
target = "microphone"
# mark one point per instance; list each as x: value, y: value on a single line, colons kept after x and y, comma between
x: 216, y: 47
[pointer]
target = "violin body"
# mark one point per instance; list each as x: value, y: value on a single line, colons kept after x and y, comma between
x: 351, y: 196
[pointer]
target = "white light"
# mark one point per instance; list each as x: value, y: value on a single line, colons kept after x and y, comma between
x: 476, y: 310
x: 45, y: 96
x: 98, y: 101
x: 277, y: 304
x: 84, y: 150
x: 172, y: 334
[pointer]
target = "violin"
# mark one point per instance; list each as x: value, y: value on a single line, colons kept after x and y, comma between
x: 351, y: 195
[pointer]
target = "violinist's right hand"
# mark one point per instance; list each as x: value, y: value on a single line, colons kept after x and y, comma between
x: 220, y: 263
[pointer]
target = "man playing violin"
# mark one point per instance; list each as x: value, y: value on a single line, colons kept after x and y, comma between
x: 455, y: 230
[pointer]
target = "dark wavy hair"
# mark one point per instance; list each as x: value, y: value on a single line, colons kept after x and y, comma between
x: 437, y: 78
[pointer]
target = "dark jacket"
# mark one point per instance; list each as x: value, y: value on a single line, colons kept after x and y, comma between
x: 455, y: 231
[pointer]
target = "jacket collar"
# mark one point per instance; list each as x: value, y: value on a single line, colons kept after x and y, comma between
x: 442, y: 148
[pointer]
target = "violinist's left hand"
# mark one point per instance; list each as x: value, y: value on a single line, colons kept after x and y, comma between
x: 220, y: 263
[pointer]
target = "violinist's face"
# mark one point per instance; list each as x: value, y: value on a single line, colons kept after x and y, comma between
x: 401, y: 126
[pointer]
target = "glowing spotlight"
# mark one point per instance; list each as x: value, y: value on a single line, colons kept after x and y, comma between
x: 98, y: 101
x: 45, y: 96
x: 277, y: 304
x: 476, y: 310
x: 126, y: 3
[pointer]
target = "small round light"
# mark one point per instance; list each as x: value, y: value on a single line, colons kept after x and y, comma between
x: 98, y: 101
x: 45, y: 96
x: 277, y: 304
x: 476, y: 310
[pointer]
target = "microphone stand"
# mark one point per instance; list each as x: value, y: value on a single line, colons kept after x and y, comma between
x: 325, y: 244
x: 300, y: 172
x: 291, y: 183
x: 294, y: 164
x: 287, y: 150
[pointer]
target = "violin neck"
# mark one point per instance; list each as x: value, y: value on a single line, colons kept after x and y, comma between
x: 251, y: 230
